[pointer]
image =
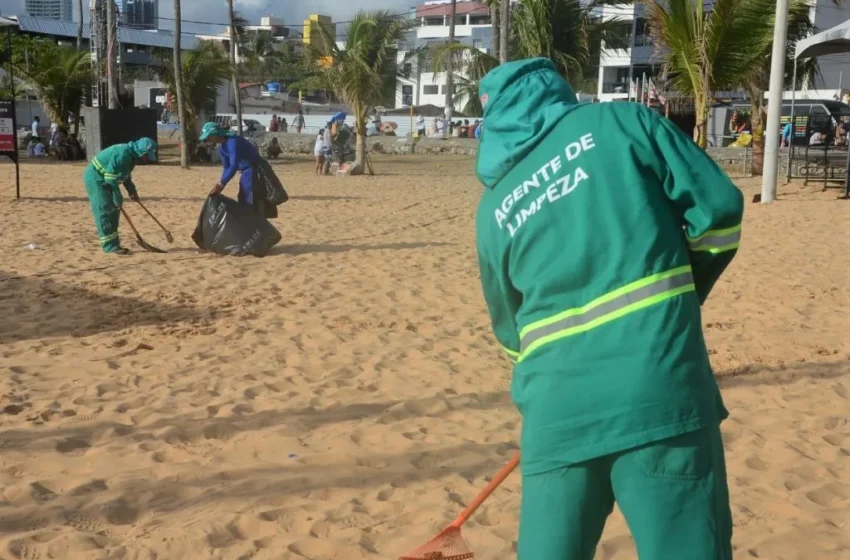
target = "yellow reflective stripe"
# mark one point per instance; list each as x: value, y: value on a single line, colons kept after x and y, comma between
x: 97, y: 165
x: 610, y: 307
x: 717, y: 240
x: 513, y: 355
x: 107, y: 238
x: 604, y: 299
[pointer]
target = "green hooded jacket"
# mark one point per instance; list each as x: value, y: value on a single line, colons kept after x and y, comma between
x: 601, y: 231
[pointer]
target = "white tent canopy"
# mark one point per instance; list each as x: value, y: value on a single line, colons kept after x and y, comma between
x: 6, y: 21
x: 834, y: 40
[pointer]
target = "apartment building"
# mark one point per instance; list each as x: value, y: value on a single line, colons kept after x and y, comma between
x: 419, y: 84
x: 61, y: 10
x: 621, y: 71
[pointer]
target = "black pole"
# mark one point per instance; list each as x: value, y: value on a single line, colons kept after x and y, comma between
x: 16, y: 154
x: 847, y: 177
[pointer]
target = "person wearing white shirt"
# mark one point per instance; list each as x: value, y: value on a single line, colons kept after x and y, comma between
x: 35, y: 125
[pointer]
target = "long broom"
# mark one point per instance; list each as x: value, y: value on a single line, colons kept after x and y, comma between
x: 449, y: 544
x: 142, y: 243
x: 168, y: 235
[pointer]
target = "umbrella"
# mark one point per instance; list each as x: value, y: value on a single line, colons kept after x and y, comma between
x: 339, y: 117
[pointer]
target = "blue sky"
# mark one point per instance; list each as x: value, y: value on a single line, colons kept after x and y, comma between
x: 293, y: 11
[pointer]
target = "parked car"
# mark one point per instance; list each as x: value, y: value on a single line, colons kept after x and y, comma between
x: 249, y: 126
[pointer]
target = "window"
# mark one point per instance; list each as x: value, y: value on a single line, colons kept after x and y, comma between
x: 434, y: 20
x: 431, y: 90
x: 445, y: 89
x: 407, y: 90
x: 406, y: 70
x: 477, y: 44
x: 479, y: 20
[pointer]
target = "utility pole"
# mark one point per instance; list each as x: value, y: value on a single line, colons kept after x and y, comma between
x: 450, y: 70
x: 774, y: 104
x: 178, y: 85
x: 112, y: 55
x: 505, y: 23
x: 235, y: 71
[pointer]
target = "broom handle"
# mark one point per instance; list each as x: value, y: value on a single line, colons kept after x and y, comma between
x: 152, y: 216
x: 129, y: 221
x: 485, y: 493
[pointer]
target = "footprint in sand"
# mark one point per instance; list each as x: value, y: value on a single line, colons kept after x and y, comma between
x: 73, y: 445
x: 41, y: 493
x: 829, y: 495
x: 92, y: 487
x: 119, y: 513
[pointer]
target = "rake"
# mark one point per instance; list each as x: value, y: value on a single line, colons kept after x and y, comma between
x: 449, y: 544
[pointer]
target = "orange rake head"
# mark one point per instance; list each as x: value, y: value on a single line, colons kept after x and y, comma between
x: 448, y: 545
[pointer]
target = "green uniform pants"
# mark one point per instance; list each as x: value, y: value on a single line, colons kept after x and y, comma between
x: 106, y: 214
x: 673, y: 494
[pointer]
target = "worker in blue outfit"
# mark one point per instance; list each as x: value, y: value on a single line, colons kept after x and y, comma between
x: 237, y: 154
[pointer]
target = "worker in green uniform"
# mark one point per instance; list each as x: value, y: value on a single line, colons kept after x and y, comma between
x: 107, y: 169
x: 601, y: 231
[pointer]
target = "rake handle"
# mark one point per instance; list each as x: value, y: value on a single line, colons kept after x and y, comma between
x: 129, y: 221
x: 154, y: 218
x: 486, y: 492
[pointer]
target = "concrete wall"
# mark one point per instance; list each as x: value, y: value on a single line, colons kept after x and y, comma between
x: 398, y: 145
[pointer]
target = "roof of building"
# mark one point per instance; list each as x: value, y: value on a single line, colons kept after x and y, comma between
x: 157, y: 39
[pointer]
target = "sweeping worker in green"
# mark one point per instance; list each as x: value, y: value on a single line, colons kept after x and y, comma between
x: 107, y: 169
x: 601, y: 231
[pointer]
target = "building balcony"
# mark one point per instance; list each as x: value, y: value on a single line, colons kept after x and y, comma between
x: 616, y: 57
x: 615, y: 87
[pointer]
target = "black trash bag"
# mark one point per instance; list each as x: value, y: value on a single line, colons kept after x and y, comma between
x: 227, y: 227
x: 270, y: 186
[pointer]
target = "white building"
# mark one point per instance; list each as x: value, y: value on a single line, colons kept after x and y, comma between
x: 420, y: 86
x: 50, y: 9
x: 621, y: 71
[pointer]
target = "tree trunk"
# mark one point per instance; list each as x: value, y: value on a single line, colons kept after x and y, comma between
x: 178, y: 85
x: 757, y: 126
x: 497, y: 29
x: 359, y: 143
x: 112, y: 55
x: 505, y: 30
x: 700, y: 129
x: 235, y: 70
x: 80, y: 26
x: 450, y: 70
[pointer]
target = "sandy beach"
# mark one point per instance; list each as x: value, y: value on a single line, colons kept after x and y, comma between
x: 343, y: 398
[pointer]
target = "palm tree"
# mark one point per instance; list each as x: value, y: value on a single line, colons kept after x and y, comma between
x: 60, y: 76
x: 202, y: 72
x: 707, y: 51
x: 756, y: 83
x: 178, y: 90
x: 567, y: 31
x: 359, y: 71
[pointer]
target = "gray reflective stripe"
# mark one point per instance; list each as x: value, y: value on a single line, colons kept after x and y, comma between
x: 621, y: 302
x: 715, y: 241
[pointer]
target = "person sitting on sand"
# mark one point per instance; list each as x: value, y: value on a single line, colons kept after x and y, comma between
x: 594, y: 291
x: 103, y: 174
x: 273, y: 149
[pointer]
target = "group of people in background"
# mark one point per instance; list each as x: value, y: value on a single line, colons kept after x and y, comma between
x: 443, y: 128
x: 58, y: 143
x: 280, y: 124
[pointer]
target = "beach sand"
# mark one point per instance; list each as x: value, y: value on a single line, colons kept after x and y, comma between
x: 343, y: 398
